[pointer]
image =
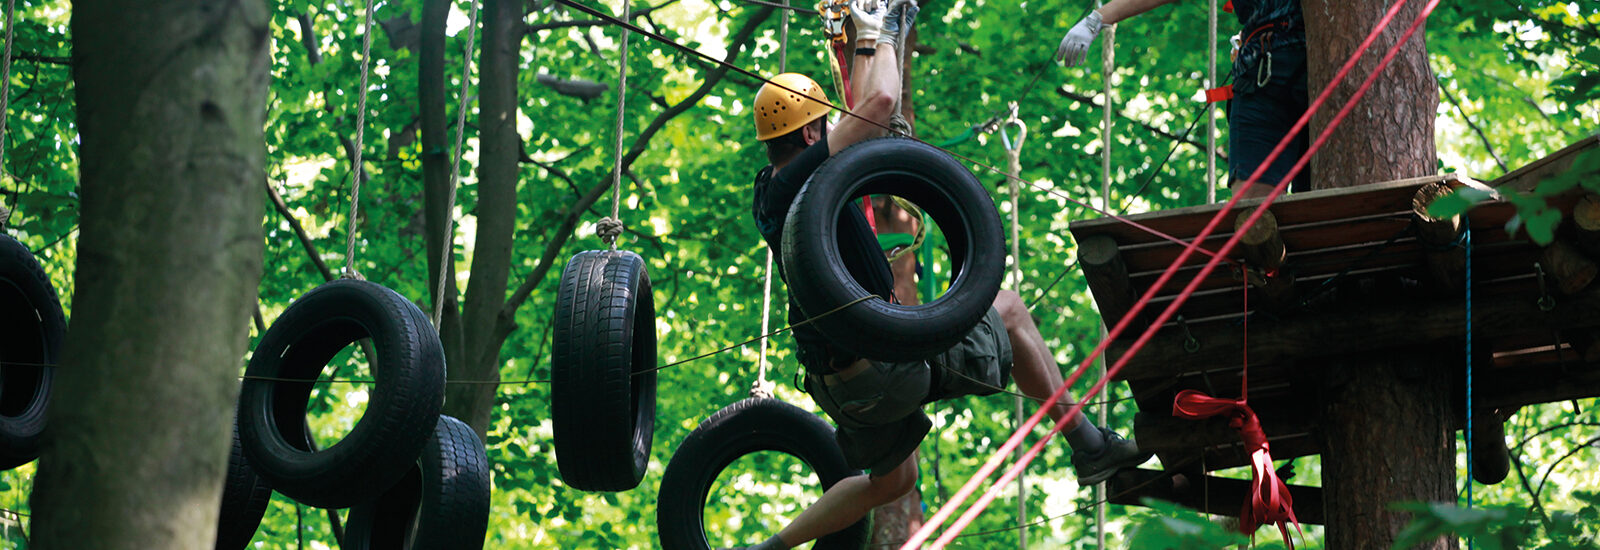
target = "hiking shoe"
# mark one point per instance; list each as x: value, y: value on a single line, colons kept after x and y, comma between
x: 1117, y: 454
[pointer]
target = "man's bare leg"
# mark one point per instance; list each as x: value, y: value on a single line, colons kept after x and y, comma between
x: 1036, y: 373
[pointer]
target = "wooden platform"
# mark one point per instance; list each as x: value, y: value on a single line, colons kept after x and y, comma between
x: 1356, y: 279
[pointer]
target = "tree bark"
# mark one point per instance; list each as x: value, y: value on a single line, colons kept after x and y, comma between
x: 497, y: 216
x: 436, y: 161
x: 171, y: 108
x: 1387, y: 438
x: 1386, y: 419
x: 1389, y: 134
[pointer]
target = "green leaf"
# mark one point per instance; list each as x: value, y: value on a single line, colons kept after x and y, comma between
x: 1454, y: 204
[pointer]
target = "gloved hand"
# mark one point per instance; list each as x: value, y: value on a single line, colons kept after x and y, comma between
x: 868, y: 18
x: 893, y: 24
x: 1076, y: 43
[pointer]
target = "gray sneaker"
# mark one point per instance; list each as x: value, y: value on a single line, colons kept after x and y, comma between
x: 1117, y: 454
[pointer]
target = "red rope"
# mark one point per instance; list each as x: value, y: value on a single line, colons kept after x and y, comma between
x: 1269, y: 500
x: 1015, y: 440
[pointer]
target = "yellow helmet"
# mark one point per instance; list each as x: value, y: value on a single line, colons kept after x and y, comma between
x: 780, y: 111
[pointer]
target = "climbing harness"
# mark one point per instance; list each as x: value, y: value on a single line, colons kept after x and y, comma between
x: 447, y: 251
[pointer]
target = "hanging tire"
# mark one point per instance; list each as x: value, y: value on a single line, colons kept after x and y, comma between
x: 442, y: 502
x: 602, y: 377
x: 244, y: 500
x: 943, y: 188
x: 31, y: 329
x: 746, y: 427
x: 402, y: 407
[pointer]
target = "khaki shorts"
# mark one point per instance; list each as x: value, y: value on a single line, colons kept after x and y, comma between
x: 879, y: 410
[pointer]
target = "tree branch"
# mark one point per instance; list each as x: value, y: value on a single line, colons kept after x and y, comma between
x: 530, y: 29
x: 1089, y: 100
x: 1445, y: 90
x: 36, y: 58
x: 299, y: 231
x: 574, y: 211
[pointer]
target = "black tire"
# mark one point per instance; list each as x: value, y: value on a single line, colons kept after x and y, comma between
x: 943, y: 188
x: 402, y: 408
x: 244, y: 500
x: 602, y: 377
x: 746, y: 427
x: 441, y: 503
x: 31, y: 329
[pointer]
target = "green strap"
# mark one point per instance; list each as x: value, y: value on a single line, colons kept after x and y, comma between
x: 959, y: 139
x: 891, y: 241
x: 929, y: 286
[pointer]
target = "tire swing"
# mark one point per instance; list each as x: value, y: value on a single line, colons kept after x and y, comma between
x: 31, y: 326
x: 31, y: 329
x: 442, y: 502
x: 603, y: 358
x: 408, y: 374
x: 749, y: 426
x: 244, y: 500
x: 944, y: 189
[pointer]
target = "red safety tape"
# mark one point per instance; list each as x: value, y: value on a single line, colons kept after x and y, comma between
x: 1269, y: 501
x: 1014, y: 441
x: 1228, y: 7
x: 1223, y: 93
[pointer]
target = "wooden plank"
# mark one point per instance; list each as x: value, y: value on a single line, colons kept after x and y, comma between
x: 1528, y: 176
x: 1107, y: 276
x: 1210, y: 494
x: 1363, y: 330
x: 1501, y: 388
x: 1298, y: 208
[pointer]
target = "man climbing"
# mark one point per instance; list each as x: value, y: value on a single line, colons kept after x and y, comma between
x: 1269, y: 83
x: 878, y: 405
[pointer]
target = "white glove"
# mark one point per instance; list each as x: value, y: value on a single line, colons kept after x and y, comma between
x: 868, y: 18
x: 892, y: 22
x: 1076, y: 43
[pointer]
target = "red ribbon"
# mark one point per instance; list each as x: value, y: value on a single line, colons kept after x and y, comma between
x: 1269, y: 500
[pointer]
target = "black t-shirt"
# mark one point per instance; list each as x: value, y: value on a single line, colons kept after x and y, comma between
x: 858, y: 248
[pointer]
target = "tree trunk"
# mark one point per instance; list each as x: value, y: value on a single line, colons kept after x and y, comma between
x: 1386, y: 432
x: 1387, y: 438
x: 171, y: 102
x: 1389, y: 134
x: 497, y: 216
x: 436, y: 161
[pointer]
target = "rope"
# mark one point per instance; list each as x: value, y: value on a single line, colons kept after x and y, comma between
x: 5, y: 101
x: 356, y: 171
x: 448, y: 250
x: 1467, y: 236
x: 1012, y: 442
x: 761, y: 388
x: 611, y: 227
x: 1014, y: 157
x: 846, y: 112
x: 1211, y: 110
x: 1108, y: 73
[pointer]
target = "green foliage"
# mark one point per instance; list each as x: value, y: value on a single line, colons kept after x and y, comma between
x: 1503, y: 527
x: 1174, y: 527
x: 1522, y: 70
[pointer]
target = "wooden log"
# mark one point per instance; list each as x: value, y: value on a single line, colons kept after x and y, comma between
x: 1571, y: 270
x: 1208, y: 494
x: 1261, y: 245
x: 1584, y: 231
x: 1368, y: 329
x: 1491, y: 460
x: 1107, y: 275
x: 1439, y: 236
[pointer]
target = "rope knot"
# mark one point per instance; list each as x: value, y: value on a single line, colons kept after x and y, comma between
x: 608, y: 228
